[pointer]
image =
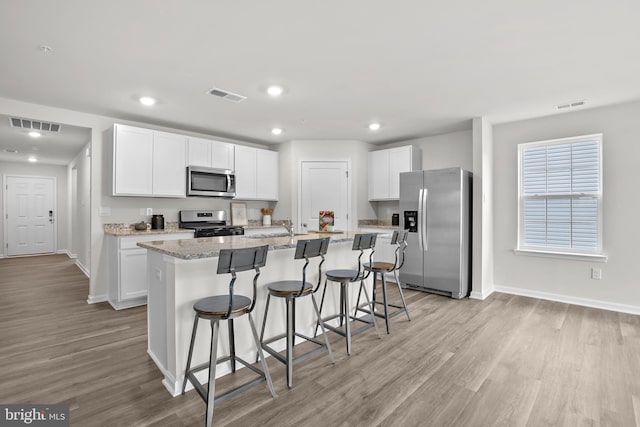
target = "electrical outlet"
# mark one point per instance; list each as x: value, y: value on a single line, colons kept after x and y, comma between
x: 596, y: 273
x: 149, y: 211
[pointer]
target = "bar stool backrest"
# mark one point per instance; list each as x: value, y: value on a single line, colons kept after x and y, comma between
x: 308, y: 249
x: 244, y: 259
x: 399, y: 238
x: 363, y: 242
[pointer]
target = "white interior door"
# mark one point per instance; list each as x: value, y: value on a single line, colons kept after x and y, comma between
x: 30, y: 216
x: 324, y: 187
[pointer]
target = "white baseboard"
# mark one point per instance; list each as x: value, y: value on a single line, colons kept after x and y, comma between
x: 94, y: 299
x: 70, y: 255
x: 603, y: 305
x: 83, y: 269
x: 482, y: 295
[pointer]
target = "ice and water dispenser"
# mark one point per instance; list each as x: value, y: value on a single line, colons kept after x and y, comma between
x: 411, y: 221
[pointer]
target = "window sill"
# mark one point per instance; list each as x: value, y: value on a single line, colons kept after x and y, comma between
x: 562, y: 255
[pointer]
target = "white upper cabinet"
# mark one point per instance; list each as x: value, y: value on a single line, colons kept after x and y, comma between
x: 169, y: 165
x: 148, y: 163
x: 211, y: 154
x: 385, y: 167
x: 132, y: 161
x: 267, y: 171
x: 256, y: 174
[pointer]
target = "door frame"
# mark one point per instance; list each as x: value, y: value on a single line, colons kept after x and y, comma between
x: 5, y: 204
x: 301, y: 162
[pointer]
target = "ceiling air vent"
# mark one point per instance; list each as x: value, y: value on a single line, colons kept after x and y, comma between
x: 573, y: 104
x: 227, y: 95
x: 34, y: 125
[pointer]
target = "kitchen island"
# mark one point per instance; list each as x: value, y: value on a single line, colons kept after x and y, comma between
x: 180, y: 272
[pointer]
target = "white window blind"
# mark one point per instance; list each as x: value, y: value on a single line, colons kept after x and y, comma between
x: 560, y: 193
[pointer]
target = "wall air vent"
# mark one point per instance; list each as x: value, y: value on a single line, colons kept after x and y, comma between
x: 226, y: 95
x: 573, y: 104
x: 34, y: 125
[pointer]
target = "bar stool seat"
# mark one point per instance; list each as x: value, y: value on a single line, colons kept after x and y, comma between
x: 344, y: 277
x: 219, y: 305
x: 287, y: 287
x: 227, y: 307
x: 290, y: 291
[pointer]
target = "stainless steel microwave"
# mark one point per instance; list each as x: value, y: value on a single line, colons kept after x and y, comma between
x: 210, y: 182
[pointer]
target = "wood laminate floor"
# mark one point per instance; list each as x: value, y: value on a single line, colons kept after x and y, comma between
x: 508, y: 360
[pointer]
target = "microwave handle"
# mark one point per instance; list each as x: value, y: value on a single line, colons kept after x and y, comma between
x: 228, y: 182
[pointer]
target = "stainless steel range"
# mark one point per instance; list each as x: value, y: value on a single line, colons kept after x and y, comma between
x: 208, y: 223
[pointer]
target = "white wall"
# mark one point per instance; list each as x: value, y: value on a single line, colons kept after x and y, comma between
x: 292, y: 152
x: 34, y: 169
x: 79, y: 200
x: 568, y: 279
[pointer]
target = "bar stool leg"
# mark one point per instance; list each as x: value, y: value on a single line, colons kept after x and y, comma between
x: 324, y: 333
x: 193, y: 340
x: 212, y: 372
x: 232, y: 346
x: 261, y: 355
x: 290, y: 309
x: 264, y: 321
x: 384, y: 297
x: 344, y: 308
x: 370, y: 302
x: 404, y: 303
x: 324, y: 290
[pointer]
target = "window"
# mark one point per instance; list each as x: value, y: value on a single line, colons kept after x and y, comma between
x: 560, y: 195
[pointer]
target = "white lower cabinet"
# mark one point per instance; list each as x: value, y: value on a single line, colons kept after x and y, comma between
x: 128, y: 268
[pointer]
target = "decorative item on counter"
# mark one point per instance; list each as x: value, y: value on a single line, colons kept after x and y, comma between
x: 326, y: 219
x: 157, y: 222
x: 239, y: 213
x: 140, y: 226
x: 266, y: 216
x: 395, y: 219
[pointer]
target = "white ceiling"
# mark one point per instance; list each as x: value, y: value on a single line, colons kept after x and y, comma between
x: 418, y: 67
x: 54, y: 148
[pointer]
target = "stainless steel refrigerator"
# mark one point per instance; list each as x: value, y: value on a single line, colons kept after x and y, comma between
x: 435, y: 208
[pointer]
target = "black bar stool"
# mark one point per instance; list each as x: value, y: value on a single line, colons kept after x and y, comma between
x: 399, y: 238
x: 228, y: 307
x: 361, y: 242
x: 291, y: 290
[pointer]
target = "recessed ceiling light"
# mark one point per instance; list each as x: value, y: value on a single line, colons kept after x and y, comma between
x: 276, y: 131
x: 374, y: 126
x: 274, y: 90
x: 34, y: 134
x: 45, y: 49
x: 147, y: 100
x: 32, y: 159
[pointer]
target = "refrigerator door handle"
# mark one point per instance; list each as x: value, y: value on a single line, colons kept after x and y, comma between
x: 420, y: 196
x: 425, y: 207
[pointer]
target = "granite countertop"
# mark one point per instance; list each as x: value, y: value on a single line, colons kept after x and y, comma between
x: 124, y: 230
x: 208, y: 247
x: 376, y: 223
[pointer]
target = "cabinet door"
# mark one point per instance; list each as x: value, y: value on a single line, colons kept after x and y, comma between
x: 222, y: 155
x: 379, y: 175
x: 133, y: 273
x: 132, y: 161
x: 399, y: 161
x: 245, y: 166
x: 199, y: 152
x: 169, y: 165
x: 267, y: 175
